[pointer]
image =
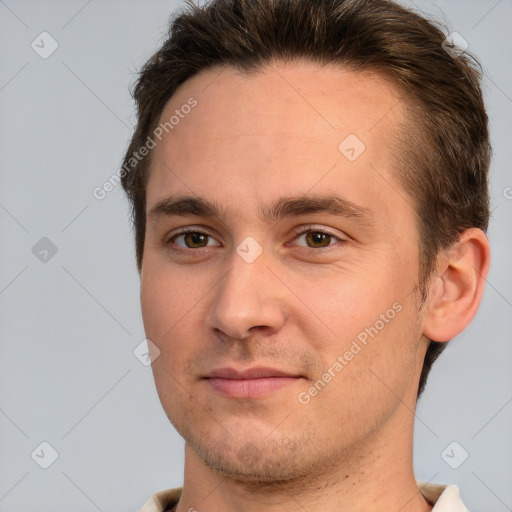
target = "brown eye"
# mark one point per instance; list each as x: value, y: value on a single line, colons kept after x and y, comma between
x: 192, y: 240
x: 318, y: 239
x: 314, y: 238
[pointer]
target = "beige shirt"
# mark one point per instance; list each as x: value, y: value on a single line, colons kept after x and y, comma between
x: 445, y: 498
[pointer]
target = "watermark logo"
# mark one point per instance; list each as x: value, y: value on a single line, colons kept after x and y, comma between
x: 44, y: 45
x: 146, y: 352
x: 249, y: 249
x: 249, y: 455
x: 455, y: 45
x: 352, y: 147
x: 44, y: 455
x: 454, y: 455
x: 44, y: 250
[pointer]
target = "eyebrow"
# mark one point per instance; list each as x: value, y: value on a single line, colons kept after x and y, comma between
x: 283, y: 207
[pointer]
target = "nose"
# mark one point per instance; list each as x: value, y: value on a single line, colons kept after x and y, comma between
x: 249, y: 298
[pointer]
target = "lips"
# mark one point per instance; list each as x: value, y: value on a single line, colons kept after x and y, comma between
x: 250, y: 383
x: 248, y: 374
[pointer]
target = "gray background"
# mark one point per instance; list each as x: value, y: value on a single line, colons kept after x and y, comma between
x: 68, y: 375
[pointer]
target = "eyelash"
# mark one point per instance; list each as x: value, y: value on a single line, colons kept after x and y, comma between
x: 169, y: 241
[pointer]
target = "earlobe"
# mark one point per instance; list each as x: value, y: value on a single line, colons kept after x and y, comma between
x: 457, y: 288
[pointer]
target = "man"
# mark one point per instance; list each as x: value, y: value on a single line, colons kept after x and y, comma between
x: 309, y: 190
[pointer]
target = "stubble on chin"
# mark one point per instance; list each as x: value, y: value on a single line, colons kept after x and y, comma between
x: 266, y: 464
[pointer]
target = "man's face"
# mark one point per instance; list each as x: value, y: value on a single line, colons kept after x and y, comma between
x: 282, y: 292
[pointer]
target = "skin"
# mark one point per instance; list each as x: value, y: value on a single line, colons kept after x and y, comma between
x: 252, y: 139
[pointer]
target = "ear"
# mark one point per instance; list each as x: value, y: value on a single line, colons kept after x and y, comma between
x: 457, y: 287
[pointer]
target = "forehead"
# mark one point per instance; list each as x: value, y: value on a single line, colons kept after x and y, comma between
x: 278, y: 95
x: 288, y: 127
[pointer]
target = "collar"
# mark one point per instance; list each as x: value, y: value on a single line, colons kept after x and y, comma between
x: 445, y: 498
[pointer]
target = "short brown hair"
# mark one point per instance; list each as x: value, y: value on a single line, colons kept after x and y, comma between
x: 444, y: 151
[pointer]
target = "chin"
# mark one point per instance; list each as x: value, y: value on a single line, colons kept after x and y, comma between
x: 262, y: 463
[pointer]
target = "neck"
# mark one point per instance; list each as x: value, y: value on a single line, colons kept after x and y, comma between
x: 376, y: 474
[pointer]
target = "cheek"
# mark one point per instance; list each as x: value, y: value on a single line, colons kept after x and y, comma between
x: 164, y: 315
x: 370, y: 375
x: 161, y: 313
x: 343, y: 304
x: 173, y: 306
x: 156, y: 306
x: 368, y: 318
x: 165, y: 298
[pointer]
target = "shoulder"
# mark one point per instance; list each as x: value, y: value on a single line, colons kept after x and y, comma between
x: 162, y: 501
x: 444, y: 498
